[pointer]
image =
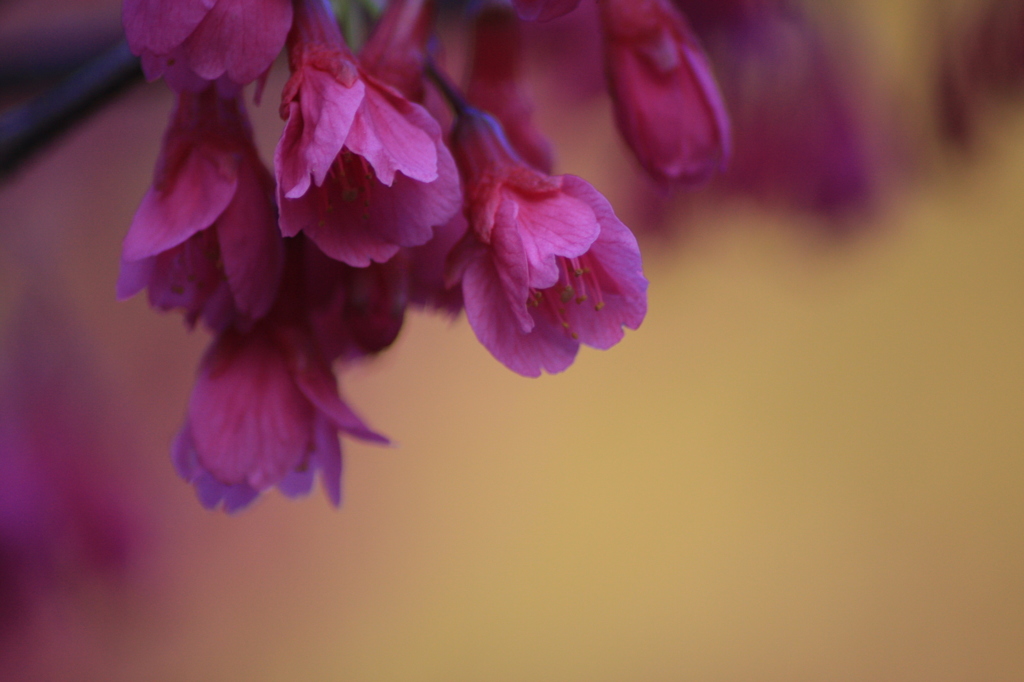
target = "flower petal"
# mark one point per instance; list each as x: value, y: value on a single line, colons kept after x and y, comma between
x: 391, y: 133
x: 250, y: 422
x: 526, y: 353
x: 188, y: 201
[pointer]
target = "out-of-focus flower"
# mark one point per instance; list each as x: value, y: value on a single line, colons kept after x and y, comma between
x: 546, y: 265
x: 800, y: 110
x: 495, y: 84
x: 982, y: 60
x: 205, y: 237
x: 361, y: 170
x: 67, y: 518
x: 543, y: 10
x: 191, y: 41
x: 667, y: 104
x: 265, y: 410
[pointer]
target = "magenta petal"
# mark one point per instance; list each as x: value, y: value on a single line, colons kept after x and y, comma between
x: 161, y: 25
x: 133, y: 277
x: 183, y: 455
x: 240, y: 38
x: 319, y: 386
x: 327, y: 458
x: 297, y: 483
x: 250, y: 243
x: 190, y: 201
x: 615, y: 263
x: 543, y: 10
x: 350, y: 241
x: 513, y: 271
x: 526, y: 353
x: 318, y: 125
x: 250, y: 423
x: 391, y: 133
x: 556, y: 225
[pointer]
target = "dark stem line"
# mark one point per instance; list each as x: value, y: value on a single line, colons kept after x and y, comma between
x: 29, y: 127
x: 451, y: 93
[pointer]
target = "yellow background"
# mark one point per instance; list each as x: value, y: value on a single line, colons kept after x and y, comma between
x: 805, y: 466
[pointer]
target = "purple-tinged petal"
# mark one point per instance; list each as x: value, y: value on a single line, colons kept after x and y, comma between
x: 239, y: 38
x: 543, y: 10
x: 161, y: 25
x: 298, y: 482
x: 133, y: 277
x: 250, y: 242
x: 188, y: 201
x: 327, y: 457
x: 319, y: 386
x: 249, y: 421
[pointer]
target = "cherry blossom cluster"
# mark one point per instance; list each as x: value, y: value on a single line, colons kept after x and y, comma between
x: 391, y: 187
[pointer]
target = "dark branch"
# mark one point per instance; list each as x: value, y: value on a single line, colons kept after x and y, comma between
x: 27, y: 128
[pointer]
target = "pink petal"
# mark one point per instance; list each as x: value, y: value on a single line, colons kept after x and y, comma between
x: 250, y: 242
x: 526, y: 353
x: 394, y: 135
x: 553, y: 225
x: 403, y: 214
x: 615, y: 262
x: 318, y: 125
x: 327, y: 457
x: 543, y: 10
x: 240, y: 38
x: 189, y: 201
x: 250, y: 422
x: 161, y: 25
x: 509, y: 259
x: 348, y: 241
x: 318, y: 384
x: 133, y: 277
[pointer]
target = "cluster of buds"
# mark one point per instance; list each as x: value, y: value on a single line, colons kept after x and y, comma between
x: 391, y: 187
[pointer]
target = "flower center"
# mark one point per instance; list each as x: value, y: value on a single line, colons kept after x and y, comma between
x: 355, y: 176
x: 577, y: 284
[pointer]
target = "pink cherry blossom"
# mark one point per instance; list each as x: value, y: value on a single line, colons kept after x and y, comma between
x: 186, y: 40
x: 361, y: 170
x: 543, y: 10
x: 205, y: 238
x: 265, y: 410
x: 667, y: 104
x: 546, y: 264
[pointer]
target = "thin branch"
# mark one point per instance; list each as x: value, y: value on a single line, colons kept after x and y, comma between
x: 29, y: 127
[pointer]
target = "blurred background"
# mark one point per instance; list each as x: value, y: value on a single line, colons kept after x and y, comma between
x: 806, y: 465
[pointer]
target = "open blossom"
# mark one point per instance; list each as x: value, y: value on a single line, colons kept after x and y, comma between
x: 265, y: 410
x: 361, y: 170
x: 546, y: 264
x: 190, y: 41
x: 205, y: 237
x: 667, y: 104
x: 543, y: 10
x: 495, y: 84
